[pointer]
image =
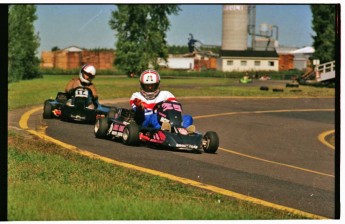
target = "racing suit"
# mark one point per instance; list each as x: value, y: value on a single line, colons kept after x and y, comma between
x: 148, y: 118
x: 75, y: 82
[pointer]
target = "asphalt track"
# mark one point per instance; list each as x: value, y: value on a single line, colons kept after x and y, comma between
x: 272, y: 150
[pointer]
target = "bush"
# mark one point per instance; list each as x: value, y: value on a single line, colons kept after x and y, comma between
x: 280, y: 75
x: 57, y: 71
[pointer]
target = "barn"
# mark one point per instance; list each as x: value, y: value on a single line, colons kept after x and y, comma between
x: 74, y: 57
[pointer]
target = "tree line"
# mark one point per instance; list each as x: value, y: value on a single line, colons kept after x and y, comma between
x: 23, y: 43
x: 141, y: 37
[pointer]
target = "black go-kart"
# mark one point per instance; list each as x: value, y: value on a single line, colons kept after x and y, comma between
x: 121, y: 125
x: 75, y: 107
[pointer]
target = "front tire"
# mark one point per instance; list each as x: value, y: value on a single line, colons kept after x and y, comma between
x: 210, y: 142
x: 47, y: 110
x: 101, y: 128
x: 131, y: 134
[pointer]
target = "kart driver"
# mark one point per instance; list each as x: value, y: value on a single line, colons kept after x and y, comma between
x: 144, y: 101
x: 86, y: 75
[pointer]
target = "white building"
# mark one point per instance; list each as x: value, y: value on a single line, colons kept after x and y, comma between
x: 177, y: 63
x: 301, y: 57
x: 248, y: 61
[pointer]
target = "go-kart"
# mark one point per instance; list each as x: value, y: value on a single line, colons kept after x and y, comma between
x: 75, y: 107
x: 122, y: 125
x: 245, y: 80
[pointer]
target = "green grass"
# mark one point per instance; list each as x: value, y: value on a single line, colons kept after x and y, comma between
x: 34, y: 92
x: 46, y: 182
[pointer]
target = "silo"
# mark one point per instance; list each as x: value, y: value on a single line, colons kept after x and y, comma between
x: 235, y: 27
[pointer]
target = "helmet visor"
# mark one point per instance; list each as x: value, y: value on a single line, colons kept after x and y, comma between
x: 150, y: 87
x: 89, y: 76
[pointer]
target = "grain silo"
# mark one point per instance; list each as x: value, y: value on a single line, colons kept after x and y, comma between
x: 235, y: 27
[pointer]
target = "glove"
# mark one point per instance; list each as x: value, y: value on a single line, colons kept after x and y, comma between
x: 137, y: 102
x: 139, y: 114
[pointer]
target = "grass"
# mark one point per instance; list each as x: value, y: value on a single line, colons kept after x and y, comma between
x: 34, y: 92
x: 46, y: 182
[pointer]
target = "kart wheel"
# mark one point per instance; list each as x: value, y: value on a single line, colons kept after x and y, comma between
x: 292, y: 85
x: 131, y: 134
x: 277, y: 90
x: 101, y: 128
x: 264, y: 88
x: 47, y: 110
x: 210, y: 142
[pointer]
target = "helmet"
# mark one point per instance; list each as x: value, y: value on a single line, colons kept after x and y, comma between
x: 149, y: 83
x: 87, y: 70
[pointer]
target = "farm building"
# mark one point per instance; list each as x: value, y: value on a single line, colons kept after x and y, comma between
x: 235, y: 60
x: 239, y: 28
x: 301, y: 57
x: 74, y: 57
x: 286, y: 62
x: 286, y: 59
x: 191, y: 61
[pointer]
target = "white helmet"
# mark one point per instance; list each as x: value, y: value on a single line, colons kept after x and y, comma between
x: 149, y: 82
x: 88, y: 70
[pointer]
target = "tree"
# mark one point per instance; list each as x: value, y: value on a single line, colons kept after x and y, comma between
x: 324, y: 25
x: 55, y: 48
x: 22, y: 43
x: 141, y: 32
x: 174, y: 49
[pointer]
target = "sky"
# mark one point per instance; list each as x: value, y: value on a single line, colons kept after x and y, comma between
x: 87, y: 26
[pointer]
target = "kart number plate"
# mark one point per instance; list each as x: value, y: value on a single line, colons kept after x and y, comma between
x: 81, y: 93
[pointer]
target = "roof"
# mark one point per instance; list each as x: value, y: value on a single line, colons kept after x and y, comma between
x: 72, y: 49
x: 305, y: 50
x: 257, y: 54
x: 285, y: 50
x: 201, y: 53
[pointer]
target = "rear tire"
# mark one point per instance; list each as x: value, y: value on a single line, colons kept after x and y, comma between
x: 101, y: 128
x: 47, y: 110
x: 131, y: 134
x: 210, y: 142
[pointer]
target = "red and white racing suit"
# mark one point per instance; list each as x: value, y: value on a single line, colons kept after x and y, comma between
x: 148, y: 105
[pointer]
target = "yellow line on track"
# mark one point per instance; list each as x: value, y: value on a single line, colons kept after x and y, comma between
x: 254, y: 97
x: 259, y: 112
x: 277, y: 163
x: 23, y: 124
x: 322, y: 138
